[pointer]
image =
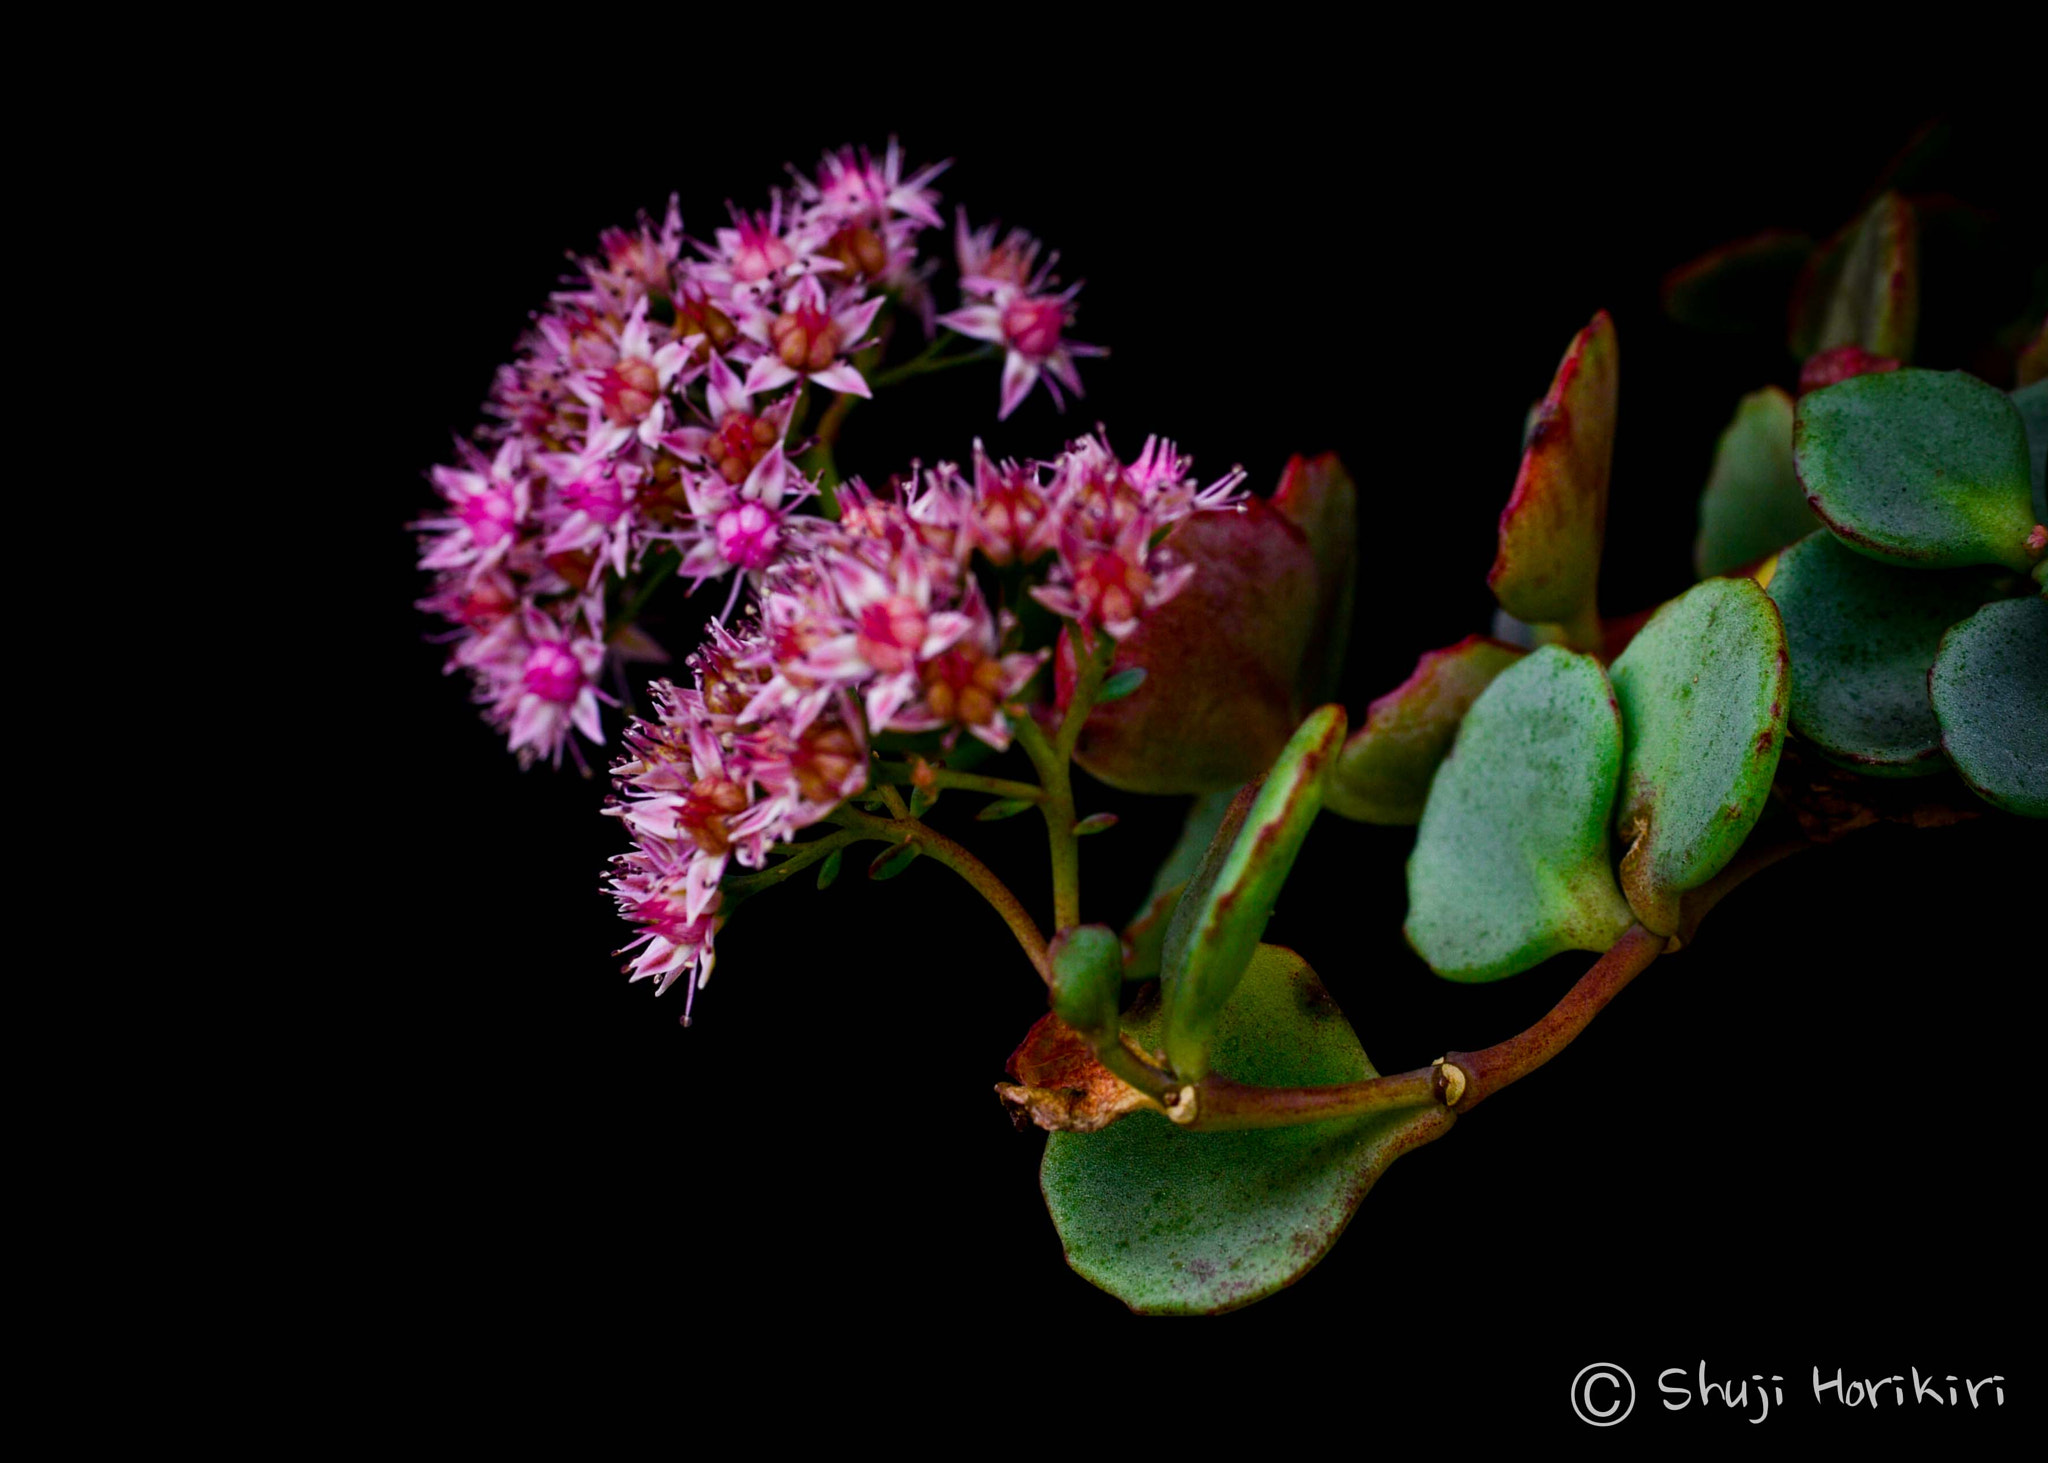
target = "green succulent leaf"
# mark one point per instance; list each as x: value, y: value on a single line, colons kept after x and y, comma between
x: 829, y: 870
x: 1703, y: 695
x: 1862, y: 635
x: 1553, y: 526
x: 1006, y: 808
x: 1383, y: 773
x: 1511, y: 860
x: 1177, y: 1222
x: 1989, y: 688
x: 1095, y: 823
x: 2032, y: 403
x: 1862, y: 287
x: 1087, y: 979
x: 1145, y: 935
x: 1753, y: 504
x: 1207, y: 953
x: 1927, y: 469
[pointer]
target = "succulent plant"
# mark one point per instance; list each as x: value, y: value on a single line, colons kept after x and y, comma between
x: 1869, y: 619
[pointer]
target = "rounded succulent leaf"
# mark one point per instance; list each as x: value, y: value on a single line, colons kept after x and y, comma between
x: 1861, y: 636
x: 1927, y: 469
x: 1207, y: 953
x: 1511, y: 860
x: 1383, y: 773
x: 1989, y: 687
x: 1702, y: 690
x: 1551, y: 530
x: 1176, y: 1222
x: 1753, y: 503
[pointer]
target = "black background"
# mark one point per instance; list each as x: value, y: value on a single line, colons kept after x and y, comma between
x: 1801, y: 1142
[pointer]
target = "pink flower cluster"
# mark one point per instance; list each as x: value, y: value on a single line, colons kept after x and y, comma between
x: 875, y: 623
x: 654, y: 402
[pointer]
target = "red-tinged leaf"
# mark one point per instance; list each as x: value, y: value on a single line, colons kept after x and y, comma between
x: 1839, y: 363
x: 1548, y: 563
x: 1862, y: 287
x: 1318, y: 496
x: 1222, y: 660
x: 1383, y: 773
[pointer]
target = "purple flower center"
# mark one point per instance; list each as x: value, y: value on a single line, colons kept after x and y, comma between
x: 747, y: 535
x: 490, y: 517
x: 553, y: 673
x: 1032, y: 326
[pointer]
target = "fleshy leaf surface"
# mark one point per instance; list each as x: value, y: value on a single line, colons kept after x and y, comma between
x: 1927, y: 469
x: 1199, y: 971
x: 1862, y: 287
x: 2032, y: 403
x: 1511, y: 861
x: 1753, y: 503
x: 1989, y: 687
x: 1223, y: 659
x: 1383, y: 773
x: 1703, y: 696
x: 1177, y: 1222
x: 1551, y: 530
x: 1318, y: 496
x: 1862, y: 635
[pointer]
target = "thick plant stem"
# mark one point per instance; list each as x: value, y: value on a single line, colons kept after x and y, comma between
x: 1222, y: 1105
x: 1486, y: 1072
x: 943, y: 850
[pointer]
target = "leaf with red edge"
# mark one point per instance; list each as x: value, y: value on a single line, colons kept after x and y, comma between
x: 1383, y: 773
x: 1839, y: 363
x: 1548, y: 564
x: 1317, y: 495
x: 1862, y: 287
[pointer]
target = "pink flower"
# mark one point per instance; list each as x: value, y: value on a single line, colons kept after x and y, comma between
x: 1016, y: 307
x: 632, y: 388
x: 543, y: 687
x: 1109, y: 518
x: 490, y: 498
x: 810, y: 337
x: 966, y: 684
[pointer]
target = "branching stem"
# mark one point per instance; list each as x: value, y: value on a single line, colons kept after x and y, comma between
x: 944, y: 850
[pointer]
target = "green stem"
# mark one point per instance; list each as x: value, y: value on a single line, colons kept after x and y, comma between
x: 1000, y: 787
x: 806, y: 854
x: 929, y: 361
x: 944, y: 850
